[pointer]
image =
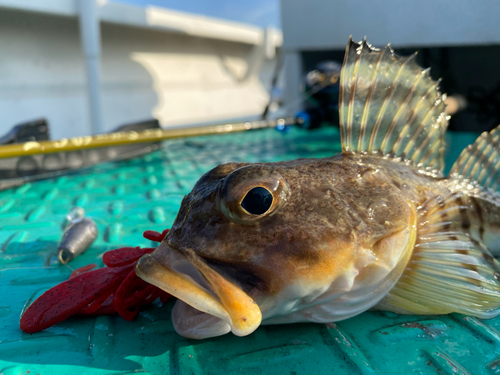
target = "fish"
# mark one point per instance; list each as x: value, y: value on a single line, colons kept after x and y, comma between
x: 378, y: 226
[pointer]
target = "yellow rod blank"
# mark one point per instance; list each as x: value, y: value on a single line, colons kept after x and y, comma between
x: 129, y: 137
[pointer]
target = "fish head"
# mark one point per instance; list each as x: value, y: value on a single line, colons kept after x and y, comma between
x: 260, y: 241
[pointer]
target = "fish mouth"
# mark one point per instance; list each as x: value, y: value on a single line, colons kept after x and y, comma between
x: 209, y: 304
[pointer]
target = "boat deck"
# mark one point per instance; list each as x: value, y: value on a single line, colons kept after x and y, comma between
x: 128, y: 197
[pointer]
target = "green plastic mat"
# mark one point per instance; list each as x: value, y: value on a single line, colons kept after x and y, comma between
x: 129, y: 197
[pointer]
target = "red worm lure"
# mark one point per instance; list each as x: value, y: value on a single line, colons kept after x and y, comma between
x: 112, y: 289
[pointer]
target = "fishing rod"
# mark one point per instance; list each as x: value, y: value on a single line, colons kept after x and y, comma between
x: 34, y: 160
x: 135, y: 137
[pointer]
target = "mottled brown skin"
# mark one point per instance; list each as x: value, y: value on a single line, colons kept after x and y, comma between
x: 334, y: 207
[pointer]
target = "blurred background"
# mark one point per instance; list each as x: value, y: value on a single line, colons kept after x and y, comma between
x: 87, y: 67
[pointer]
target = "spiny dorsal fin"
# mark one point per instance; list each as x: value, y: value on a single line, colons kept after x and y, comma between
x: 480, y: 161
x: 391, y: 106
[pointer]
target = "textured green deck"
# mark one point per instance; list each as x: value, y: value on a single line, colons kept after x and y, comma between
x: 129, y: 197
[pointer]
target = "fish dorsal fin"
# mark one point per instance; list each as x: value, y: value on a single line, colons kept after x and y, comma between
x: 480, y: 161
x: 448, y: 271
x: 390, y: 106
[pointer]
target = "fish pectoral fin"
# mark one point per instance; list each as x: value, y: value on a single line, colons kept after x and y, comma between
x: 447, y: 272
x: 391, y: 106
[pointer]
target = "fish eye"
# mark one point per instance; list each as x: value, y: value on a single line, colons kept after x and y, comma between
x: 252, y: 193
x: 257, y: 201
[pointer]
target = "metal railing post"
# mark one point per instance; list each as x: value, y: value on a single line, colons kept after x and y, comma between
x: 91, y: 43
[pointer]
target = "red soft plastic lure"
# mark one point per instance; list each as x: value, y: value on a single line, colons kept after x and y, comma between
x: 112, y: 289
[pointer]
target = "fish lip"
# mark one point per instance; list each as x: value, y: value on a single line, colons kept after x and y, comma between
x: 205, y: 290
x: 201, y: 281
